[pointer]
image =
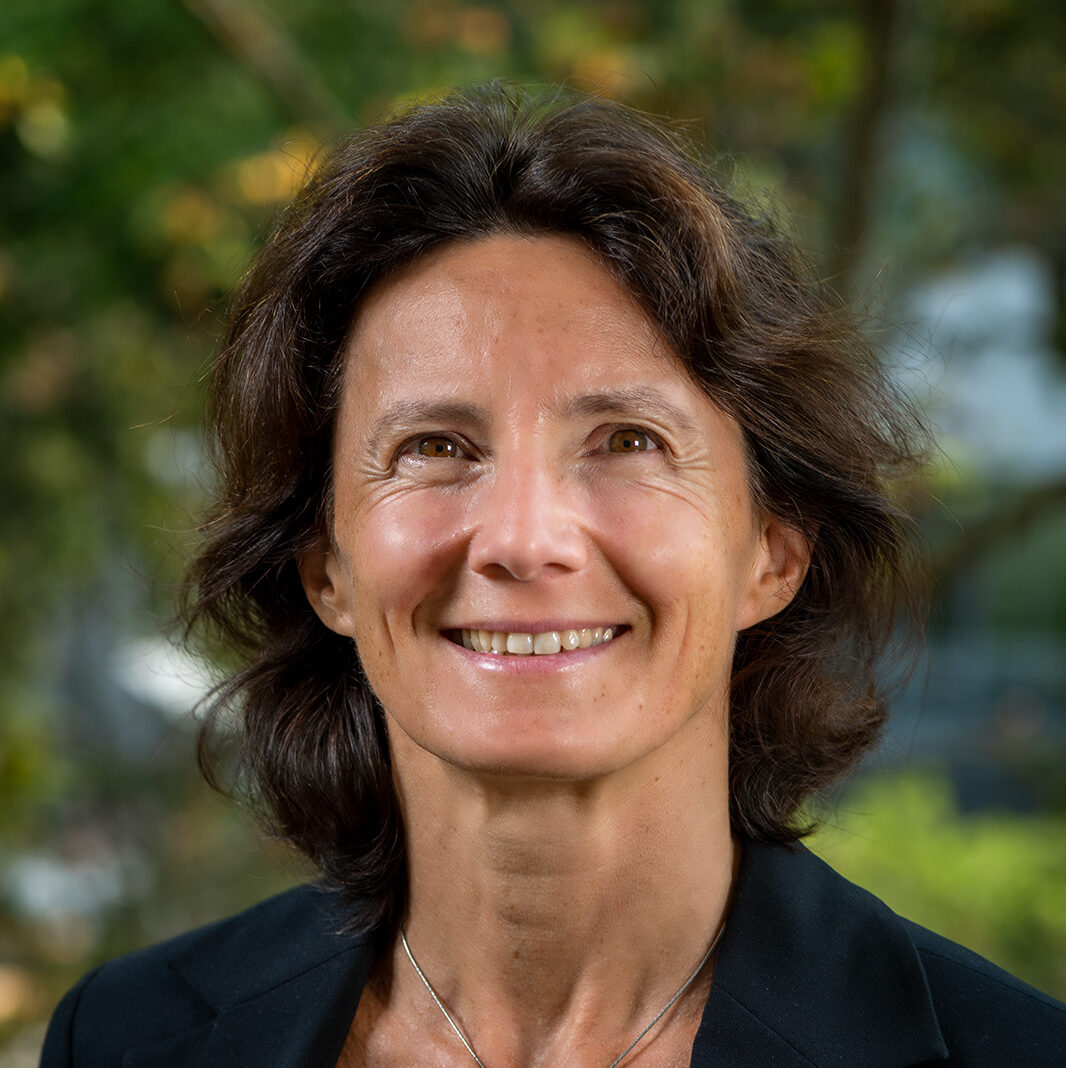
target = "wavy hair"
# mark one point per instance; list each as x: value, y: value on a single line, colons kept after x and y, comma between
x: 826, y: 434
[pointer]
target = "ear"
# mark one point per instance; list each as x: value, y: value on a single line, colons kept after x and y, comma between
x: 780, y: 566
x: 326, y: 580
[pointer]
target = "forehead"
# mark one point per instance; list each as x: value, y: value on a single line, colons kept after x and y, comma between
x: 487, y: 310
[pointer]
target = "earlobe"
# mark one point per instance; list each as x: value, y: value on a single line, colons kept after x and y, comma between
x: 324, y: 579
x: 780, y: 568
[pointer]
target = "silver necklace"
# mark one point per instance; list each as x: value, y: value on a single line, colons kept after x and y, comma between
x: 621, y: 1056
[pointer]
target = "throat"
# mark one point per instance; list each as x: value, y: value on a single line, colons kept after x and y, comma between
x: 646, y: 1034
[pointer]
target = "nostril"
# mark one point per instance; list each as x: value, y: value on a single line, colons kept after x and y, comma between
x: 527, y: 522
x: 557, y: 546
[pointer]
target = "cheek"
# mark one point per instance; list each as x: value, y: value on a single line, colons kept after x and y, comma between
x: 684, y: 553
x: 402, y: 549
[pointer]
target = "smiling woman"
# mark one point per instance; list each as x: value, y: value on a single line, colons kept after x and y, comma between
x: 555, y: 530
x: 555, y: 473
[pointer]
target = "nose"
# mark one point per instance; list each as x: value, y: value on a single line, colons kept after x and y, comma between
x: 527, y: 523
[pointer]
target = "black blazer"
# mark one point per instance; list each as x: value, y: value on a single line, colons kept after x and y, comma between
x: 811, y: 970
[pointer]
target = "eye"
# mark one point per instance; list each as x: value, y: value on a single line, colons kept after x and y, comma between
x: 437, y: 446
x: 630, y: 439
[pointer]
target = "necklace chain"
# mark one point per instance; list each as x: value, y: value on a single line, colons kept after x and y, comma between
x: 621, y: 1056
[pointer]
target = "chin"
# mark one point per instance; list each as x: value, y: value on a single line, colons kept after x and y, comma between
x: 554, y: 752
x: 546, y: 763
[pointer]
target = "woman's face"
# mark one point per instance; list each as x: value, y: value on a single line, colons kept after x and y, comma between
x: 518, y: 454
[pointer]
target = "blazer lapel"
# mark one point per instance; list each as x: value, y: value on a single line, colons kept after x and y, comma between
x: 302, y: 1021
x: 813, y: 970
x: 283, y: 993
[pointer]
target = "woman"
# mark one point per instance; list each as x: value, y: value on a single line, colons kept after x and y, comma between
x: 555, y: 530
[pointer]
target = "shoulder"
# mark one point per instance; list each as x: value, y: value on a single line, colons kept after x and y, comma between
x: 986, y: 1012
x: 834, y: 976
x: 184, y: 984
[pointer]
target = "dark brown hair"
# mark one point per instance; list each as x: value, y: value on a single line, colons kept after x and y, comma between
x: 825, y: 432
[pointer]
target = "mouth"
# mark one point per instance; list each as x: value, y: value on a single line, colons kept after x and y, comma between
x: 524, y: 643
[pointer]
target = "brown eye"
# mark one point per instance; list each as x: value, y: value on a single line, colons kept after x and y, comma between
x: 437, y: 446
x: 629, y: 440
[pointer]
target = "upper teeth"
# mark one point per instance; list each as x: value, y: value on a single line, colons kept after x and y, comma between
x: 519, y: 643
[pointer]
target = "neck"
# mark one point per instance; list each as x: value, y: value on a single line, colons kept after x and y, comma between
x: 559, y: 917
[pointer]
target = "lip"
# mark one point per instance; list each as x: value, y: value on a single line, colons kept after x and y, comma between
x: 511, y: 626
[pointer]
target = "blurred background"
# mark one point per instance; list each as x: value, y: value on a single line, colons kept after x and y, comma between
x: 145, y: 147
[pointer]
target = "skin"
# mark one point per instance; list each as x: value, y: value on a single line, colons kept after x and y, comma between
x: 518, y: 449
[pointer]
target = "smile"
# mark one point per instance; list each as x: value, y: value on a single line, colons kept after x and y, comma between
x: 519, y: 643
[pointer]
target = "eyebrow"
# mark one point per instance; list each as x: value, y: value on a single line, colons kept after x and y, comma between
x: 406, y: 414
x: 629, y: 400
x: 616, y: 400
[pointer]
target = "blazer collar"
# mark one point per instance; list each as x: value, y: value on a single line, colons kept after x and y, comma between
x: 280, y: 986
x: 812, y: 970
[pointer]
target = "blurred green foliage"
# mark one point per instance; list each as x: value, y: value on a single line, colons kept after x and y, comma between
x: 145, y: 147
x: 992, y: 880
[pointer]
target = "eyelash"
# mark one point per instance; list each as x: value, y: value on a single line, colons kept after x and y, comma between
x: 463, y: 451
x: 653, y: 442
x: 413, y: 447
